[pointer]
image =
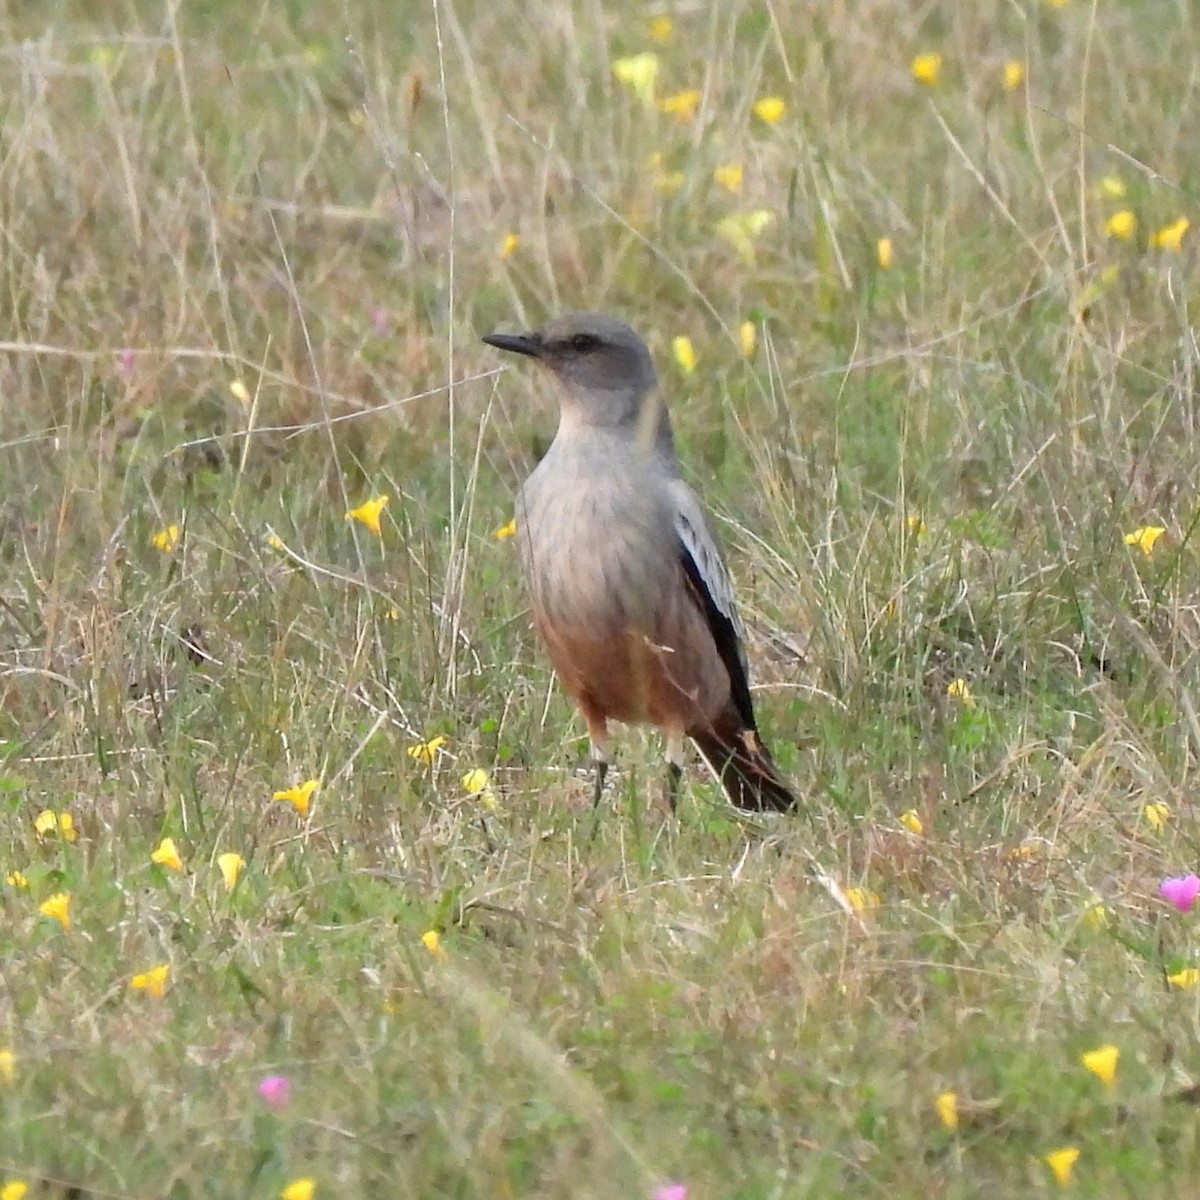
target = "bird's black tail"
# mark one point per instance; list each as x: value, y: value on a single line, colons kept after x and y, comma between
x: 745, y: 768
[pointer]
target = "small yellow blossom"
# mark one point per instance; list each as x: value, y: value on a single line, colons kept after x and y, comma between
x: 166, y: 854
x: 1157, y: 815
x: 8, y: 1066
x: 915, y: 524
x: 16, y: 879
x: 661, y: 29
x: 299, y: 1189
x: 741, y: 229
x: 770, y: 109
x: 862, y: 899
x: 682, y: 104
x: 153, y: 982
x: 1145, y: 537
x: 14, y: 1189
x: 927, y: 69
x: 166, y: 539
x: 946, y: 1105
x: 57, y: 908
x: 1111, y: 187
x: 479, y: 783
x: 1058, y: 3
x: 49, y: 822
x: 912, y: 822
x: 1096, y: 915
x: 230, y: 865
x: 1121, y: 225
x: 507, y: 530
x: 959, y: 689
x: 300, y: 796
x: 432, y: 941
x: 1170, y: 237
x: 685, y: 353
x: 1187, y: 978
x: 508, y: 247
x: 884, y: 253
x: 748, y: 338
x: 426, y: 751
x: 729, y: 176
x: 369, y: 512
x: 1062, y: 1163
x: 1014, y: 75
x: 239, y: 391
x: 275, y: 541
x: 639, y: 73
x: 1102, y: 1062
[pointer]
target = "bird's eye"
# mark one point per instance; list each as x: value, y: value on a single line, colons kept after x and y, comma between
x: 581, y: 343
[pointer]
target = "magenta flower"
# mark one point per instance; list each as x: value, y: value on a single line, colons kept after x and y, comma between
x: 276, y: 1091
x: 125, y: 362
x: 1180, y: 890
x: 670, y: 1191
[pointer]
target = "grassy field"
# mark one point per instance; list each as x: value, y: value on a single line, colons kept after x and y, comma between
x: 247, y: 255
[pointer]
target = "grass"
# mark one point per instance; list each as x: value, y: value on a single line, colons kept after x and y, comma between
x: 247, y: 257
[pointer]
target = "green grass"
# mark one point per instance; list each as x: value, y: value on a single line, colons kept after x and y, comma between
x: 309, y: 200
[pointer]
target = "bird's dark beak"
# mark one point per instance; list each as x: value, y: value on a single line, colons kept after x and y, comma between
x: 518, y: 343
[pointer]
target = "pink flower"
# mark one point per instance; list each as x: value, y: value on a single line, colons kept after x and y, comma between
x: 671, y: 1191
x: 381, y: 321
x: 125, y: 362
x: 276, y: 1091
x: 1180, y: 890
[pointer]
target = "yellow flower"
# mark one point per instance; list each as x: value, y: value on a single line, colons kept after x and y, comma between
x: 509, y: 245
x: 1121, y: 225
x: 1170, y: 237
x: 915, y: 525
x: 1145, y: 537
x: 166, y: 854
x: 299, y: 1189
x: 1096, y: 915
x: 432, y: 941
x: 368, y: 513
x: 479, y: 783
x: 153, y: 981
x: 927, y: 69
x: 1157, y: 815
x: 661, y: 29
x: 770, y: 109
x: 748, y: 338
x: 1014, y: 75
x: 741, y: 229
x: 8, y: 1066
x: 947, y: 1109
x: 506, y: 531
x: 1102, y: 1062
x: 959, y: 689
x: 862, y: 899
x: 166, y: 539
x: 639, y: 73
x: 230, y: 865
x: 729, y: 176
x: 685, y: 353
x: 57, y: 908
x: 275, y: 541
x: 912, y: 822
x: 682, y: 104
x: 426, y: 751
x: 1187, y: 978
x: 1062, y: 1163
x: 883, y: 253
x: 239, y: 391
x: 1112, y: 187
x: 299, y: 796
x: 62, y: 824
x: 14, y: 1189
x: 16, y: 879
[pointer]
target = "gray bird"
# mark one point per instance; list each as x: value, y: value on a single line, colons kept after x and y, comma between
x: 628, y: 588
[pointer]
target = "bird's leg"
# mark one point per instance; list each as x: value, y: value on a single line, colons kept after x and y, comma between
x: 601, y: 754
x: 600, y: 770
x: 674, y: 769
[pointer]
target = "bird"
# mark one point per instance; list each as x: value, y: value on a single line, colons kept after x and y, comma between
x: 627, y: 583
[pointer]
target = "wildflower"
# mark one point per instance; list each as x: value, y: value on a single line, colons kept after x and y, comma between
x: 1181, y: 891
x: 1145, y: 537
x: 509, y: 246
x: 862, y: 899
x: 275, y: 541
x: 275, y: 1091
x: 884, y: 253
x: 49, y: 822
x: 299, y: 1189
x: 432, y: 941
x: 741, y: 230
x: 1112, y: 187
x: 1095, y: 915
x: 1014, y: 75
x: 747, y: 338
x: 1187, y: 978
x: 57, y: 908
x: 661, y: 29
x: 770, y: 109
x: 16, y: 879
x: 959, y: 689
x: 230, y: 865
x: 685, y: 353
x: 912, y: 822
x: 1121, y: 225
x: 946, y: 1104
x: 166, y: 539
x: 14, y: 1189
x: 381, y: 321
x: 1062, y: 1163
x: 368, y: 513
x: 426, y: 751
x: 166, y: 854
x: 639, y: 73
x: 153, y: 982
x: 1157, y: 815
x: 915, y: 524
x: 682, y: 104
x: 927, y: 69
x: 1170, y: 237
x: 507, y: 530
x: 125, y: 362
x: 239, y: 391
x: 479, y: 783
x: 8, y: 1066
x: 299, y: 796
x: 729, y: 176
x: 670, y: 1191
x: 1102, y: 1062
